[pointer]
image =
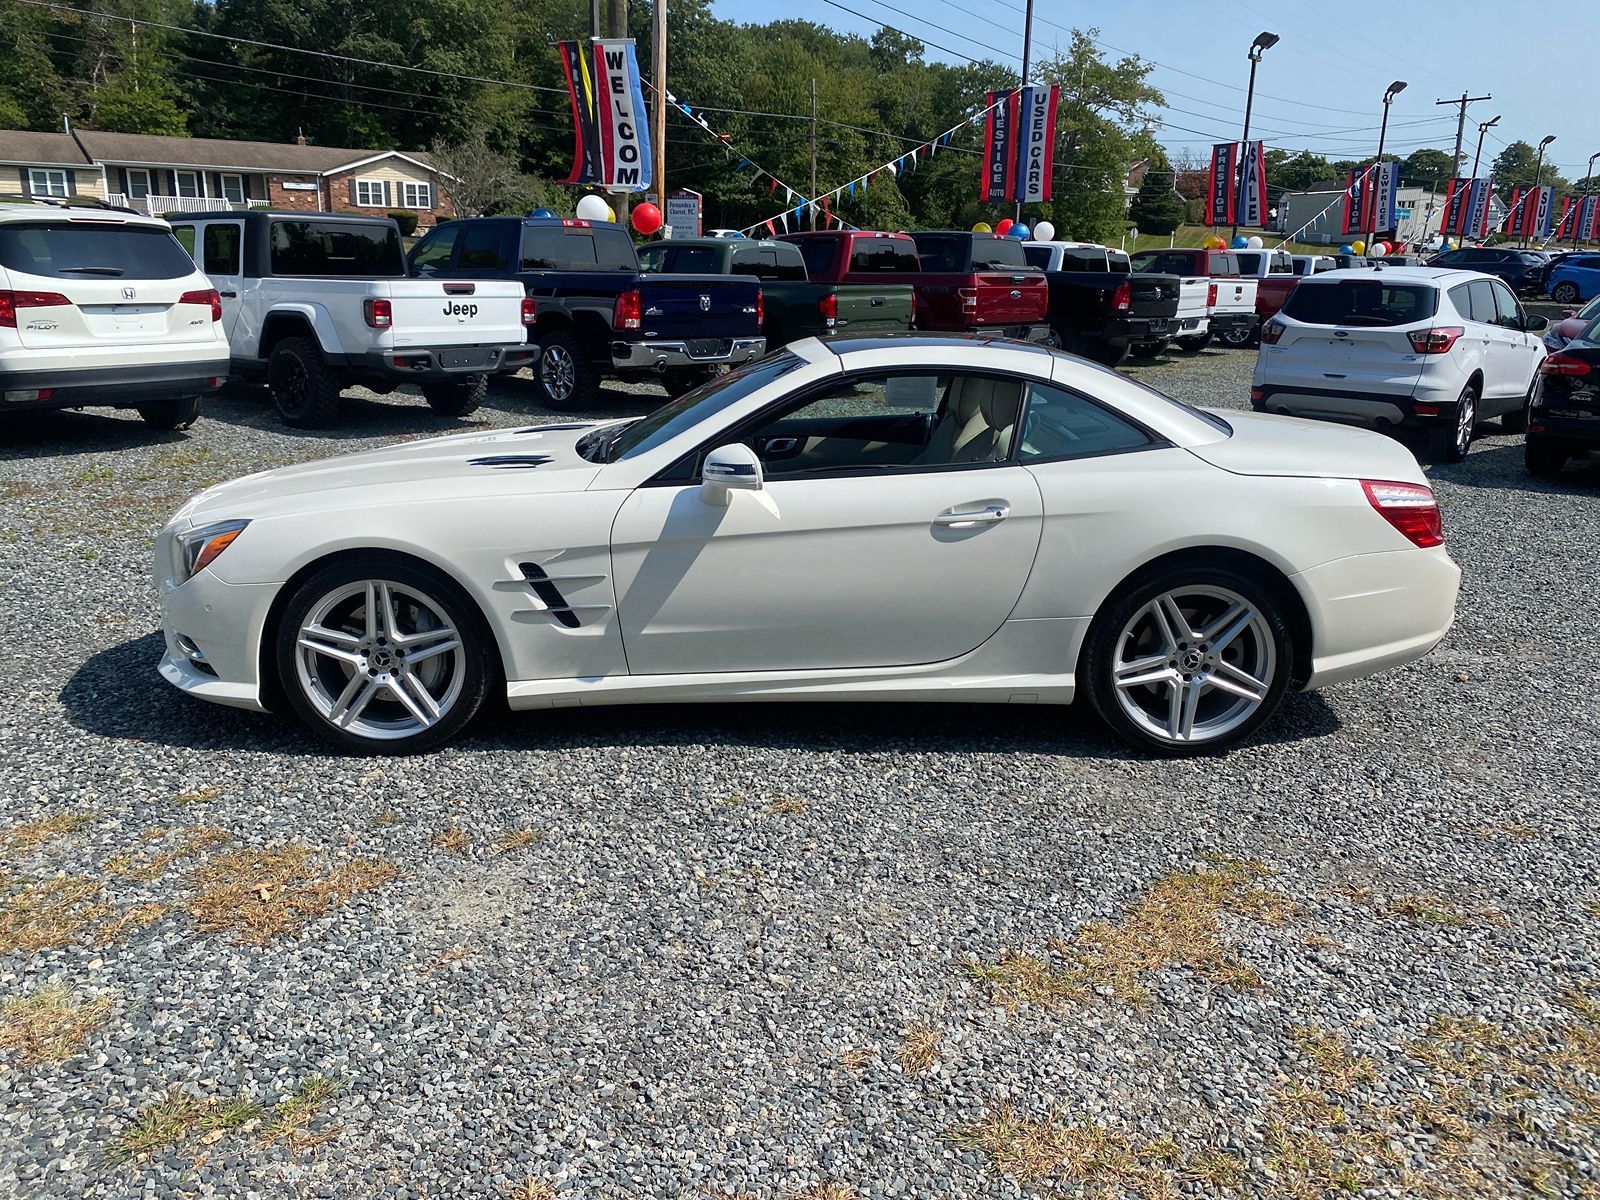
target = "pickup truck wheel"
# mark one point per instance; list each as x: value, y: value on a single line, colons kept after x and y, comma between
x: 686, y: 379
x: 1149, y: 350
x: 303, y: 387
x: 1240, y: 337
x: 567, y: 379
x: 456, y: 399
x: 1194, y: 345
x: 1108, y: 355
x: 171, y: 414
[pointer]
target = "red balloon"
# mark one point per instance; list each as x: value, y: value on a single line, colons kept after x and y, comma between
x: 647, y: 218
x: 1004, y: 227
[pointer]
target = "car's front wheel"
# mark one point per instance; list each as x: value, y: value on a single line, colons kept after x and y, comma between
x: 172, y: 414
x: 456, y: 398
x: 379, y: 656
x: 1543, y: 458
x: 1449, y: 442
x: 1565, y: 292
x: 1189, y: 659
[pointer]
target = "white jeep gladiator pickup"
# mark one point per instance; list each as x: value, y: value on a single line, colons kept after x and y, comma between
x: 313, y: 303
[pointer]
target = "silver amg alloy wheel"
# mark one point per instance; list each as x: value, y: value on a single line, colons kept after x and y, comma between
x: 557, y: 372
x: 380, y: 659
x: 1194, y: 664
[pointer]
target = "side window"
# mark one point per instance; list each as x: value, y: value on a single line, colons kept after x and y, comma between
x: 818, y: 254
x: 1481, y: 292
x: 694, y: 260
x: 1062, y: 424
x: 1507, y: 311
x: 1461, y: 300
x: 185, y: 236
x: 881, y: 422
x: 652, y: 259
x: 483, y: 248
x: 220, y: 248
x: 433, y: 252
x: 748, y: 261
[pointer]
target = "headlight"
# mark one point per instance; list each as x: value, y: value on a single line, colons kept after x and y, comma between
x: 195, y: 549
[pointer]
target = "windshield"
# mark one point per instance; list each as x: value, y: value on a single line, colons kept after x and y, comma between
x: 688, y: 410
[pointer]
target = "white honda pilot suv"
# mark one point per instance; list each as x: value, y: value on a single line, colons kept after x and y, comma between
x: 102, y: 306
x: 1402, y: 347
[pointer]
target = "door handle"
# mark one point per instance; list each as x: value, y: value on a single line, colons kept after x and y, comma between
x: 228, y: 295
x: 992, y: 514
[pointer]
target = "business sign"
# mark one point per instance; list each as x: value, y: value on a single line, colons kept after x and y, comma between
x: 611, y: 140
x: 1253, y: 190
x: 1384, y: 214
x: 1466, y: 207
x: 1220, y: 192
x: 999, y: 147
x: 1036, y: 131
x: 683, y: 213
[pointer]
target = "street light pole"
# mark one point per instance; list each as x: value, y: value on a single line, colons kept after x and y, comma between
x: 1395, y: 88
x: 1538, y: 169
x: 1483, y: 128
x: 1263, y: 42
x: 1581, y: 195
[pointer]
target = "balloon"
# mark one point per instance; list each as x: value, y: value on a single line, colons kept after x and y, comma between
x: 1380, y: 247
x: 611, y: 213
x: 1240, y: 241
x: 1018, y: 231
x: 1358, y: 247
x: 982, y: 227
x: 647, y: 218
x: 1347, y: 248
x: 1043, y: 231
x: 1004, y: 227
x: 1255, y: 242
x: 593, y: 208
x: 1214, y: 242
x: 541, y: 212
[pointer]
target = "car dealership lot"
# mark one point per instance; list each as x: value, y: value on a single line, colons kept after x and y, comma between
x: 747, y: 950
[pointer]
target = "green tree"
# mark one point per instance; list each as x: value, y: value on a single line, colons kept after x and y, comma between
x: 153, y: 109
x: 1513, y: 166
x: 1426, y: 167
x: 1295, y: 173
x: 1157, y: 208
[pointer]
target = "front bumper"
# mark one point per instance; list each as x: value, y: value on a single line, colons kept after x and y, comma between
x: 442, y: 362
x: 697, y: 352
x: 213, y: 636
x: 126, y: 386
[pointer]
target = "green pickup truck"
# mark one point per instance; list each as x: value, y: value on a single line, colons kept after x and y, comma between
x: 794, y: 307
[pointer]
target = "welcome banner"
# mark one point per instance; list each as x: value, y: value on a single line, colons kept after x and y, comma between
x: 611, y: 138
x: 1221, y: 193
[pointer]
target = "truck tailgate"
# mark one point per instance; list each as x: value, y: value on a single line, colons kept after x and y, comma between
x: 1005, y: 299
x: 688, y: 307
x: 874, y: 308
x: 1235, y: 295
x: 1153, y: 295
x: 453, y: 312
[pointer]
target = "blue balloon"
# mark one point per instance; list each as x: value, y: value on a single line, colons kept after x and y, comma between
x: 1347, y: 249
x: 541, y: 212
x: 1020, y: 232
x: 1240, y: 241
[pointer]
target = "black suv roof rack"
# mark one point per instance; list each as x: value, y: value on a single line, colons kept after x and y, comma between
x: 66, y: 202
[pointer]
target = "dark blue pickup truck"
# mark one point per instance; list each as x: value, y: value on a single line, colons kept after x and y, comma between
x: 593, y: 314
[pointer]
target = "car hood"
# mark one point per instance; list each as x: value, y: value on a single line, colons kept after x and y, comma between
x: 1267, y: 444
x: 534, y: 458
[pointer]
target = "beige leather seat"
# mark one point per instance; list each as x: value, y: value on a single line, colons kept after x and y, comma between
x: 978, y: 420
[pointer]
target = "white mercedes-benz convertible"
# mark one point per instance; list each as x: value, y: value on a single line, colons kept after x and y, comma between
x: 913, y: 518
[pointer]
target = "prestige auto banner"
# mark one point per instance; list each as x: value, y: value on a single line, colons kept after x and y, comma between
x: 611, y: 137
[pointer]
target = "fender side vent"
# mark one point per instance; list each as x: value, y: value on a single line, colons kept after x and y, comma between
x: 502, y: 462
x: 549, y: 594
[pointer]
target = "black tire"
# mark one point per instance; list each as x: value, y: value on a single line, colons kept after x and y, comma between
x: 172, y: 414
x: 1565, y: 292
x: 1149, y: 350
x: 1265, y: 645
x: 1193, y: 345
x: 1107, y: 354
x: 456, y: 399
x: 568, y: 381
x: 1544, y: 459
x: 471, y: 667
x: 304, y: 388
x: 686, y: 379
x: 1516, y: 421
x: 1241, y: 338
x: 1449, y: 441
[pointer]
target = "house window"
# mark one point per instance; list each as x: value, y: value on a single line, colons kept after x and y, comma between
x: 138, y: 184
x: 47, y: 183
x: 233, y: 189
x: 416, y: 195
x: 372, y: 193
x: 189, y: 184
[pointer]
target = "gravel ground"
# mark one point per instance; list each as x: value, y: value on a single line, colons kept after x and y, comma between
x: 779, y: 951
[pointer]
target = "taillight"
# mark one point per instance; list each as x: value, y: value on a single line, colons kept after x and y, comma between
x: 1564, y: 364
x: 1409, y: 507
x: 1122, y: 298
x: 1437, y: 340
x: 828, y: 307
x: 11, y: 301
x: 1211, y: 296
x: 379, y: 313
x: 969, y: 299
x: 628, y: 312
x: 530, y: 310
x: 761, y: 308
x: 209, y: 298
x: 1272, y: 331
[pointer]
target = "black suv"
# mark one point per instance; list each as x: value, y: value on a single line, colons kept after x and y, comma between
x: 1522, y: 269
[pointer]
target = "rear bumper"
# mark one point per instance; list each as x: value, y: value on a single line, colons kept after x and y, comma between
x: 1566, y: 427
x: 1189, y: 326
x: 125, y: 386
x: 441, y: 362
x: 1370, y: 410
x: 1223, y: 321
x: 666, y: 356
x: 1139, y: 331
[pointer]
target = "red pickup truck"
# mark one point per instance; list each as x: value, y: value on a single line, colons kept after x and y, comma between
x: 1273, y: 271
x: 964, y: 282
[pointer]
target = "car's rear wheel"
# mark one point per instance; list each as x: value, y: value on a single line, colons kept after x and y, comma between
x: 172, y: 414
x: 1149, y: 350
x: 456, y: 398
x: 1194, y: 345
x: 1189, y: 659
x: 567, y: 379
x: 1107, y: 354
x: 686, y: 379
x: 383, y: 657
x: 1448, y: 442
x: 1240, y: 337
x: 1544, y: 458
x: 304, y: 389
x: 1565, y: 292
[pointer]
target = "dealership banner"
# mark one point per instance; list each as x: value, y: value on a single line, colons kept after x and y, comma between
x: 1224, y: 172
x: 1466, y: 207
x: 1356, y: 192
x: 1478, y: 209
x: 1532, y: 212
x: 1587, y: 212
x: 1383, y: 214
x: 1036, y: 139
x: 999, y: 147
x: 611, y: 137
x: 1253, y: 186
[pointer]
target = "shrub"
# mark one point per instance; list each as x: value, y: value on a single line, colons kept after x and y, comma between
x: 407, y: 222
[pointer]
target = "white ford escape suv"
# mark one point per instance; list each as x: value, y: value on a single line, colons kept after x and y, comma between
x: 101, y: 306
x: 1391, y: 347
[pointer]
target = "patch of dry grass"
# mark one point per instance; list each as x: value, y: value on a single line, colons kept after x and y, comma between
x: 179, y: 1115
x: 386, y: 818
x: 515, y: 839
x: 458, y: 954
x: 826, y: 1191
x: 260, y: 894
x: 49, y: 1024
x: 126, y: 920
x: 920, y: 1050
x: 789, y: 806
x: 193, y: 842
x: 1020, y: 978
x: 529, y: 1189
x: 453, y: 840
x: 33, y: 834
x: 199, y: 795
x: 40, y: 914
x: 292, y: 1118
x: 1082, y: 1153
x: 856, y: 1058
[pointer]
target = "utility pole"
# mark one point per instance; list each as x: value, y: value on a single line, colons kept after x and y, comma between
x: 658, y: 68
x: 594, y: 18
x: 617, y: 27
x: 812, y: 195
x: 1461, y: 126
x: 1027, y: 53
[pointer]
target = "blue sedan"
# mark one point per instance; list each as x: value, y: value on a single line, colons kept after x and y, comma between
x: 1577, y: 278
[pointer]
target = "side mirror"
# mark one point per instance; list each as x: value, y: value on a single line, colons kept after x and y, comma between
x: 1568, y: 313
x: 1536, y: 324
x: 727, y: 468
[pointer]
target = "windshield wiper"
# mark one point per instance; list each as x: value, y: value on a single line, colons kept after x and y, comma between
x: 89, y: 270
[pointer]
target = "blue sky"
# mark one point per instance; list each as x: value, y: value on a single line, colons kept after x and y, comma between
x: 1320, y: 88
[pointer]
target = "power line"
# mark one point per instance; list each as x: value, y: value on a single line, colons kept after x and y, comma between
x: 881, y: 24
x: 940, y: 28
